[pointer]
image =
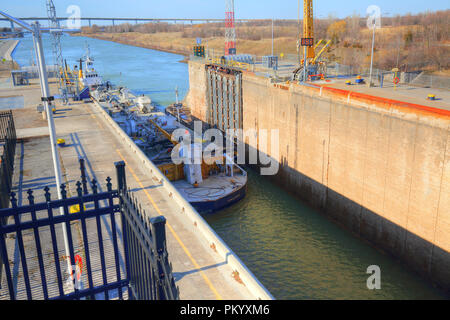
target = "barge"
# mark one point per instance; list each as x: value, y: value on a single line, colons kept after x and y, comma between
x: 209, y: 181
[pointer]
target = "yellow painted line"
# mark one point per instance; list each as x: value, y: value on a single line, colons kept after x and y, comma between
x: 93, y: 117
x: 208, y: 282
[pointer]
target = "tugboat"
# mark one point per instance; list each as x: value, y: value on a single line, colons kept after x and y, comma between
x: 210, y: 181
x: 89, y: 76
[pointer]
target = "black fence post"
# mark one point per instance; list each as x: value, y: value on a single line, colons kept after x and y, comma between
x: 7, y: 154
x: 158, y: 228
x: 83, y: 176
x: 122, y: 190
x: 159, y: 232
x: 121, y: 177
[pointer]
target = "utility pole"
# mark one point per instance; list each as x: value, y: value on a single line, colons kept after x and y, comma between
x: 374, y: 22
x: 230, y: 30
x: 46, y: 99
x: 272, y: 37
x: 304, y: 63
x: 57, y: 52
x: 371, y: 56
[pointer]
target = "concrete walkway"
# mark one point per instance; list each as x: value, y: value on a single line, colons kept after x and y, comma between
x: 199, y: 272
x: 410, y: 94
x: 6, y: 49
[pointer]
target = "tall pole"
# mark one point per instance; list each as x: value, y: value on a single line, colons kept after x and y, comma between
x: 299, y: 32
x: 230, y: 30
x: 371, y: 58
x: 57, y: 52
x: 37, y: 39
x: 304, y: 63
x: 272, y: 37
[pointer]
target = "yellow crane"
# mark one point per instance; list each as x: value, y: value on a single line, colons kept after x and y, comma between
x: 308, y: 65
x: 308, y: 26
x: 308, y: 32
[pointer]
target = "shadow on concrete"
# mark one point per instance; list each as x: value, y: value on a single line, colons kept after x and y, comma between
x: 62, y: 111
x: 179, y: 275
x: 147, y: 188
x: 90, y: 175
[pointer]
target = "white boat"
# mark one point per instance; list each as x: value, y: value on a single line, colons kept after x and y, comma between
x: 88, y: 75
x: 211, y: 183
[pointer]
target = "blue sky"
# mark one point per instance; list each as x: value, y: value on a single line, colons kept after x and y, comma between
x: 282, y: 9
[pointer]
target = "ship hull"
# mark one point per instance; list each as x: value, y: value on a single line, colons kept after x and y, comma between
x: 212, y: 206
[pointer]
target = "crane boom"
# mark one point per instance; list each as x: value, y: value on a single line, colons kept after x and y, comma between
x: 321, y: 51
x: 164, y: 132
x: 308, y: 26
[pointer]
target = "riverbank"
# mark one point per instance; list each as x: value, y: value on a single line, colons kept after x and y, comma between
x: 7, y: 63
x: 140, y: 40
x: 174, y: 42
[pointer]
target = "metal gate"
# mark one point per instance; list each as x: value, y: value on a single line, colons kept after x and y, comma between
x: 115, y: 251
x: 224, y: 97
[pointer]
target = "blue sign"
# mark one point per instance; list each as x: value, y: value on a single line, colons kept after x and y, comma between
x: 199, y: 40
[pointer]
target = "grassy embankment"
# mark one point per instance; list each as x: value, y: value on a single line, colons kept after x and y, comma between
x: 411, y: 43
x: 175, y: 43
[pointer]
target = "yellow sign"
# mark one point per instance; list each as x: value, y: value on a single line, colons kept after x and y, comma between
x: 281, y: 55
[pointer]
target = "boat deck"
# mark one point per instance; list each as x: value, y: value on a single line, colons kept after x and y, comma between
x: 211, y: 189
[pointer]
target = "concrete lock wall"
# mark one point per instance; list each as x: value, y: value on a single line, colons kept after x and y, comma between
x: 378, y: 167
x: 197, y: 96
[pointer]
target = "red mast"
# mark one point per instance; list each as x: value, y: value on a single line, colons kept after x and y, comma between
x: 230, y: 31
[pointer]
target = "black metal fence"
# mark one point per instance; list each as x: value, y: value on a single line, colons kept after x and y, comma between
x: 114, y: 250
x: 7, y: 154
x: 151, y: 278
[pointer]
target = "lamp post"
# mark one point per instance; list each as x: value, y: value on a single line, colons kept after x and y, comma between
x: 371, y: 56
x: 272, y: 37
x: 46, y: 100
x: 374, y: 22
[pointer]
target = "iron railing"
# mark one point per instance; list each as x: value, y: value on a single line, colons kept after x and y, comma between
x: 147, y: 264
x: 7, y: 154
x: 114, y: 250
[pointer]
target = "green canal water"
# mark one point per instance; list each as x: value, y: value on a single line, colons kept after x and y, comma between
x: 296, y: 252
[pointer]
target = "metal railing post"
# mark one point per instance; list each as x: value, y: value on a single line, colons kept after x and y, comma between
x: 83, y: 176
x: 122, y: 190
x: 159, y: 237
x: 121, y: 177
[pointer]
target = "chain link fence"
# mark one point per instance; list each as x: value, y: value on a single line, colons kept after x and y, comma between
x: 385, y: 78
x: 289, y: 62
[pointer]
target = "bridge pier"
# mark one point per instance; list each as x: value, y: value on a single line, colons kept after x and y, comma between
x: 90, y: 23
x: 12, y: 26
x: 113, y: 22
